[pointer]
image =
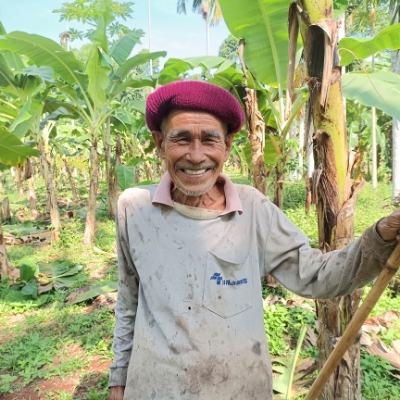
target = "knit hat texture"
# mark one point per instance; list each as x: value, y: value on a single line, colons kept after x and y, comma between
x: 195, y: 96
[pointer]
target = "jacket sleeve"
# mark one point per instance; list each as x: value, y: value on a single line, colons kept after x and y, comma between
x: 310, y: 273
x: 125, y: 310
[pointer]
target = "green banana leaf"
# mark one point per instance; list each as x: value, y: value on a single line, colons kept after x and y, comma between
x: 98, y: 76
x: 270, y: 150
x: 45, y: 73
x: 377, y: 89
x: 93, y: 291
x: 361, y: 47
x: 45, y: 52
x: 122, y: 49
x: 13, y: 151
x: 126, y: 176
x: 175, y: 67
x: 6, y: 75
x: 28, y: 269
x: 229, y: 79
x: 140, y: 59
x: 13, y: 60
x: 23, y: 122
x: 263, y: 25
x: 105, y: 17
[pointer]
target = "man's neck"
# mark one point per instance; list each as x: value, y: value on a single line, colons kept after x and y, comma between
x: 214, y: 199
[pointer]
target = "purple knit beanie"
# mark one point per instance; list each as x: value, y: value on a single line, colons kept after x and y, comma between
x: 196, y: 96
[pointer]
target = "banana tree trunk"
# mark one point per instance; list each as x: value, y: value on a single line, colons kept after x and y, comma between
x: 47, y: 169
x: 147, y: 167
x: 94, y: 169
x: 32, y: 198
x: 18, y: 182
x: 4, y: 263
x: 111, y: 172
x: 71, y: 179
x: 255, y: 130
x: 332, y: 190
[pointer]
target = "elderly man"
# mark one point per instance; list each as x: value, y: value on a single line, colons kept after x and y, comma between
x: 192, y: 251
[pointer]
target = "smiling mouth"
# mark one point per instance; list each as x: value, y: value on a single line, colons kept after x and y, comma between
x: 195, y: 171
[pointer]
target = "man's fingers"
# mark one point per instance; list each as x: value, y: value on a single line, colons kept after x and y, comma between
x: 389, y: 227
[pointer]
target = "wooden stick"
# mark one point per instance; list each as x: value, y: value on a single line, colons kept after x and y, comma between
x: 391, y: 267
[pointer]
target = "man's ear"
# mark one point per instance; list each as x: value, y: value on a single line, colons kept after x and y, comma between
x: 158, y: 137
x: 228, y: 145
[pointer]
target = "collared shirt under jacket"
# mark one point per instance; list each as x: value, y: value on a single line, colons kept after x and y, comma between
x: 189, y: 315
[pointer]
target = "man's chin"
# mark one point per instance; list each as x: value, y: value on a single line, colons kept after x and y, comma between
x: 193, y: 193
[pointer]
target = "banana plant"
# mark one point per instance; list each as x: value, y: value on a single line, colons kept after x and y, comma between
x: 90, y: 89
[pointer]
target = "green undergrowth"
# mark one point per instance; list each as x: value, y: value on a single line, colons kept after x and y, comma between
x: 61, y: 340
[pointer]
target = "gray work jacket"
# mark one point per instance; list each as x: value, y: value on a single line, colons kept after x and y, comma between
x: 189, y: 315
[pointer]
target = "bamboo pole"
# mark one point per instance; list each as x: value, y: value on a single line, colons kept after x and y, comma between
x: 391, y: 267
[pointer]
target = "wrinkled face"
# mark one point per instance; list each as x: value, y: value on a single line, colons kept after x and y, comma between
x: 194, y: 146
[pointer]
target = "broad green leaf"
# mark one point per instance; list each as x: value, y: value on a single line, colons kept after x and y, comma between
x: 52, y: 105
x: 126, y: 176
x: 339, y: 7
x: 16, y: 298
x: 209, y: 62
x: 24, y: 229
x: 175, y: 67
x: 68, y: 90
x: 361, y: 47
x: 93, y: 291
x: 30, y: 289
x: 122, y: 49
x: 263, y: 25
x: 13, y: 151
x: 140, y: 59
x: 104, y: 19
x: 46, y: 73
x: 45, y: 52
x: 117, y: 88
x: 377, y: 89
x: 269, y: 150
x: 28, y: 269
x: 21, y: 125
x: 58, y: 267
x: 13, y: 60
x: 138, y: 105
x: 229, y: 79
x: 59, y: 273
x: 98, y: 77
x: 6, y: 75
x: 61, y: 112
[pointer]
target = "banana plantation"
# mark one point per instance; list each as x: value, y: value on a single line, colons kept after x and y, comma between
x: 319, y: 85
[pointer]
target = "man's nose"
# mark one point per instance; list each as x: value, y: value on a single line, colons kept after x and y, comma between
x: 195, y: 154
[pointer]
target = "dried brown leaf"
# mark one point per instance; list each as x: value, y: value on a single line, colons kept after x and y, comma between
x: 378, y: 348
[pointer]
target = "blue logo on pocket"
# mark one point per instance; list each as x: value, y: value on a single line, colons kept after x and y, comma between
x: 221, y: 281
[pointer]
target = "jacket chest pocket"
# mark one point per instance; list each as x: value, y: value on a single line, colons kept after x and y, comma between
x: 227, y: 286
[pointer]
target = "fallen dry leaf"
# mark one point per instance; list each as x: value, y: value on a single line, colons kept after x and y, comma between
x: 365, y: 339
x: 305, y: 368
x: 396, y: 346
x: 378, y: 348
x: 311, y: 337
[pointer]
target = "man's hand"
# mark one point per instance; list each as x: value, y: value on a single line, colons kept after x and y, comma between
x: 116, y: 393
x: 389, y: 227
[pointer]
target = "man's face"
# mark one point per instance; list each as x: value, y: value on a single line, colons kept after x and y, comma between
x: 194, y: 146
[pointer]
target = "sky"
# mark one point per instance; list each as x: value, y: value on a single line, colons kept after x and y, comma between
x: 180, y: 35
